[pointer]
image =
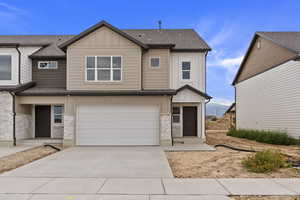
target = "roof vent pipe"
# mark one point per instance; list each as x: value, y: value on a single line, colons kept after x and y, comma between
x: 159, y: 25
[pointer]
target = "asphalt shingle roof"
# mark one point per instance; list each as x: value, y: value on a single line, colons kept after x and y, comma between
x: 183, y: 39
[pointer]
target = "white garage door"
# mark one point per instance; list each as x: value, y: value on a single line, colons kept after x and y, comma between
x: 117, y: 125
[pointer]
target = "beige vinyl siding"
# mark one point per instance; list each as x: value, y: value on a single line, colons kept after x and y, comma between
x: 264, y: 58
x: 270, y: 100
x: 100, y: 43
x: 156, y: 78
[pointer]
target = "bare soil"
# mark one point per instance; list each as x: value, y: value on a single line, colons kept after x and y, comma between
x: 266, y: 198
x: 226, y: 163
x: 220, y: 124
x: 19, y: 159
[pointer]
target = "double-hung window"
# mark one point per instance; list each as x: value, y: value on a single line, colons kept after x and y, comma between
x: 186, y: 70
x: 5, y: 68
x: 104, y: 68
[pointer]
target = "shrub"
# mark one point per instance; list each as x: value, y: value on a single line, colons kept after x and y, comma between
x: 265, y: 161
x: 270, y: 137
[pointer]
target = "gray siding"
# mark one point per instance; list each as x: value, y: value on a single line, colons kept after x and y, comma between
x: 49, y: 77
x: 270, y: 100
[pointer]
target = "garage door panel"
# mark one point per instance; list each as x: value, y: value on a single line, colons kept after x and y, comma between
x: 117, y: 125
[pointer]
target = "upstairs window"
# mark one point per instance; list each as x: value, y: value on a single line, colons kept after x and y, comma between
x: 5, y: 68
x: 154, y: 62
x: 58, y: 114
x: 103, y: 68
x: 186, y: 70
x: 47, y: 64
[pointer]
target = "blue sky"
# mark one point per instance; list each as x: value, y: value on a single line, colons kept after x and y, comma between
x: 226, y: 25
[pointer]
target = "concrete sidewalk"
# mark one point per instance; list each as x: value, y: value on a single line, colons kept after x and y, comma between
x: 139, y: 188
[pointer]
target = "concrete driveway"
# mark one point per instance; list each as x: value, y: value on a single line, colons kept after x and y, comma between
x: 103, y: 162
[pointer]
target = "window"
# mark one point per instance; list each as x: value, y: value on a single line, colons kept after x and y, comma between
x: 103, y: 68
x: 5, y: 67
x: 176, y: 114
x: 58, y: 114
x: 47, y: 65
x: 186, y: 70
x: 154, y: 62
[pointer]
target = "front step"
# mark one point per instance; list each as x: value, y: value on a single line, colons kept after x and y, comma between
x: 39, y: 141
x: 188, y: 140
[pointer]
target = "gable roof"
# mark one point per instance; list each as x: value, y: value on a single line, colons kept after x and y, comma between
x: 230, y: 108
x: 175, y: 39
x: 183, y: 39
x: 97, y: 26
x: 206, y: 96
x: 287, y: 40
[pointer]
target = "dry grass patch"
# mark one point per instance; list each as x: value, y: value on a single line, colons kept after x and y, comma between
x: 266, y: 198
x: 225, y: 163
x: 19, y: 159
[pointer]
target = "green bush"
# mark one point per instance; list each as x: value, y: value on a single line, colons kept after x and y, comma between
x: 265, y: 161
x: 270, y: 137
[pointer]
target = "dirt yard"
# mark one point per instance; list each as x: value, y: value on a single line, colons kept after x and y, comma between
x: 225, y: 163
x: 266, y: 198
x: 22, y: 158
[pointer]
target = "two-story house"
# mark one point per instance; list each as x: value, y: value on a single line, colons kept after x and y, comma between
x: 104, y: 86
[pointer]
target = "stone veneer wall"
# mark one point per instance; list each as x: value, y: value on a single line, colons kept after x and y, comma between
x: 23, y: 126
x: 69, y: 130
x: 6, y: 117
x: 165, y: 129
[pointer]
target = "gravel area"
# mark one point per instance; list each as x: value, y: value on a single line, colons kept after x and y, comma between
x: 19, y: 159
x: 225, y: 163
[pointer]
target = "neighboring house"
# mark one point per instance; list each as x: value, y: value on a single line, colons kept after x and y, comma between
x: 230, y: 114
x: 104, y: 86
x: 268, y: 84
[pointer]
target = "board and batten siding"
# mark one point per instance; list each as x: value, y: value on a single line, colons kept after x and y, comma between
x: 104, y: 42
x: 156, y: 78
x: 197, y: 70
x: 271, y: 100
x: 49, y: 78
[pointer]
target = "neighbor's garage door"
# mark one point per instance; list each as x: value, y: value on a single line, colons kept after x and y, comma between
x: 117, y: 125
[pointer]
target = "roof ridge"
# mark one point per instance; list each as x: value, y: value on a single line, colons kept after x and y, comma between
x: 150, y: 29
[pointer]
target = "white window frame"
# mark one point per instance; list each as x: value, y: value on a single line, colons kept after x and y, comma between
x: 111, y: 69
x: 179, y: 115
x: 11, y: 67
x: 48, y: 61
x: 154, y: 67
x: 55, y: 114
x: 181, y: 70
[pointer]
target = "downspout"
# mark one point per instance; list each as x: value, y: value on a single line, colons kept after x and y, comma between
x: 19, y: 66
x: 171, y: 107
x: 14, y: 97
x: 142, y: 71
x: 205, y: 92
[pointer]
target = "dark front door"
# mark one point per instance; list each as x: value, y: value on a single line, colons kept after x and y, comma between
x: 189, y: 121
x: 42, y: 121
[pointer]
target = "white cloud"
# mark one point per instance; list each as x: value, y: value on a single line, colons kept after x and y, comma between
x: 13, y: 19
x: 222, y: 101
x: 222, y: 36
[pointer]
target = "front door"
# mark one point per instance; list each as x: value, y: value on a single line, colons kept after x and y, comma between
x: 190, y: 121
x: 43, y: 121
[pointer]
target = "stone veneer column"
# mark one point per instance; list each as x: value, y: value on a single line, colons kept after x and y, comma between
x: 69, y: 130
x: 6, y: 119
x: 165, y: 130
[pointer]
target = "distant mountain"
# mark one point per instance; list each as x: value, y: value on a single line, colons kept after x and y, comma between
x: 216, y: 109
